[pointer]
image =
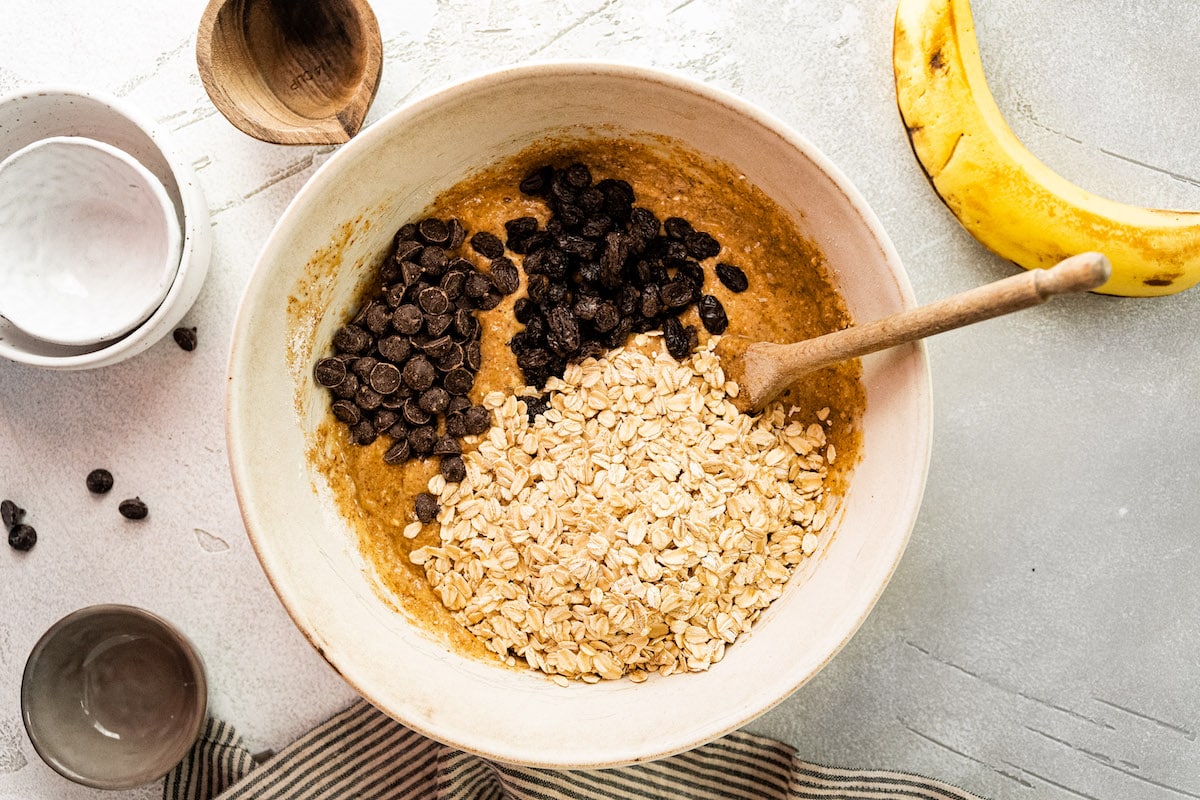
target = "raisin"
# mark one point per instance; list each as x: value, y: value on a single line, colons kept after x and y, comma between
x: 712, y: 314
x: 535, y: 406
x: 678, y: 293
x: 733, y: 277
x: 701, y: 245
x: 676, y: 338
x: 537, y: 182
x: 505, y: 276
x: 563, y: 337
x: 487, y: 245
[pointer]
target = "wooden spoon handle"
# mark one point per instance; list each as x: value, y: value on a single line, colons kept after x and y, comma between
x: 1075, y: 274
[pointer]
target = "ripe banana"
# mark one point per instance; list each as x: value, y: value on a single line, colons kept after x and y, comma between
x: 1011, y: 202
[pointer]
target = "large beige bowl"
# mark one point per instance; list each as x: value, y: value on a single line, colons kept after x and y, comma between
x: 354, y: 203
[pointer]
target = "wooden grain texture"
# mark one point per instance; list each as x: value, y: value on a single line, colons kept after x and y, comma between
x: 763, y: 369
x: 291, y: 71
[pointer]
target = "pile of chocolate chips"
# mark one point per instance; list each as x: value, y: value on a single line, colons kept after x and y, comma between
x: 409, y: 356
x: 604, y: 268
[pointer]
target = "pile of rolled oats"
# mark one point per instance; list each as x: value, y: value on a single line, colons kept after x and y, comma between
x: 639, y: 525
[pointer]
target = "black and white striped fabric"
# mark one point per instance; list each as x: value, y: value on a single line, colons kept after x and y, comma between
x: 363, y: 754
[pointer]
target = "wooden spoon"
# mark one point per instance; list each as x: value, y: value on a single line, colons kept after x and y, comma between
x: 762, y: 369
x: 291, y: 71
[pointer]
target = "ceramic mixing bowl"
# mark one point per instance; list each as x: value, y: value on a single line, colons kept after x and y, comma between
x: 352, y: 207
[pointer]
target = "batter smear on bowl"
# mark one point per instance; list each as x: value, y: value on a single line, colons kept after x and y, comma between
x: 608, y: 512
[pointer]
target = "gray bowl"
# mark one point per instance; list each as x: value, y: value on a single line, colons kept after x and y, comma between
x: 113, y: 697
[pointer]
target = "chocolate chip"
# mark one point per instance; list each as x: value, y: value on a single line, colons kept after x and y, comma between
x: 351, y: 339
x: 453, y: 469
x: 347, y: 388
x: 472, y: 356
x: 436, y: 348
x: 385, y: 378
x: 362, y: 366
x: 465, y: 324
x: 489, y: 301
x: 367, y: 398
x: 408, y: 250
x: 452, y: 360
x: 422, y: 438
x: 458, y: 381
x: 408, y: 319
x: 456, y: 425
x: 452, y: 283
x: 433, y: 231
x: 487, y: 245
x: 434, y: 261
x: 477, y: 419
x: 346, y: 411
x: 413, y: 414
x: 99, y: 481
x: 22, y: 537
x: 185, y: 338
x: 384, y: 419
x: 477, y: 285
x: 447, y: 446
x: 712, y: 314
x: 398, y: 453
x: 418, y: 373
x: 378, y: 317
x: 433, y: 300
x: 329, y: 372
x: 438, y: 324
x: 733, y: 277
x: 133, y: 508
x: 363, y: 432
x: 395, y: 348
x: 434, y: 400
x: 458, y: 234
x: 458, y: 404
x: 11, y: 513
x: 426, y: 506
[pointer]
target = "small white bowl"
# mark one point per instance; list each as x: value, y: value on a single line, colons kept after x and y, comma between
x: 30, y: 115
x: 89, y: 241
x: 386, y: 176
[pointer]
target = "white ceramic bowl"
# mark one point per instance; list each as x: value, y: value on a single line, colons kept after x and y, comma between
x: 385, y: 177
x: 89, y: 241
x: 29, y: 115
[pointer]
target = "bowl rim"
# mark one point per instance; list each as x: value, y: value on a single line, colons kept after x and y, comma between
x: 177, y: 637
x: 448, y: 93
x: 195, y: 245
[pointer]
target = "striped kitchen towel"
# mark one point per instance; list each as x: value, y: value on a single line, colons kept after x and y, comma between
x: 363, y: 754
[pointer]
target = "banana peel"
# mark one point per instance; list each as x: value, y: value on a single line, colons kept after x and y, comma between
x: 1001, y: 193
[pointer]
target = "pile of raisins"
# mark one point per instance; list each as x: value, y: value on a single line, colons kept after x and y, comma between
x: 604, y: 268
x: 409, y: 356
